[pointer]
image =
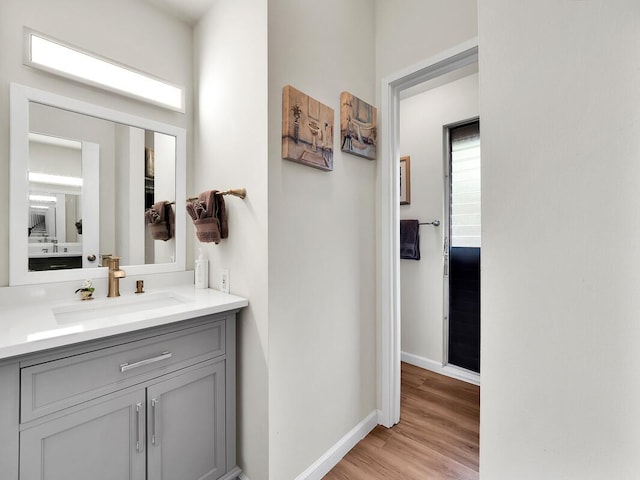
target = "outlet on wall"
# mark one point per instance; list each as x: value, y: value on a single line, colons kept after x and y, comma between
x: 224, y: 281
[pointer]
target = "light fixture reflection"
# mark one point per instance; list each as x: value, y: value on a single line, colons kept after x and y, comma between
x: 42, y: 198
x: 55, y: 179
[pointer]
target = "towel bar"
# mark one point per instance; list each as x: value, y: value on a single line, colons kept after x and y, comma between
x: 435, y: 223
x: 236, y: 192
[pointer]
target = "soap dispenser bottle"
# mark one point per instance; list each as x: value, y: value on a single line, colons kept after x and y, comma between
x: 202, y: 271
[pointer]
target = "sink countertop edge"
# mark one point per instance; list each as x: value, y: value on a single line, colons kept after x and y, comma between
x: 18, y: 323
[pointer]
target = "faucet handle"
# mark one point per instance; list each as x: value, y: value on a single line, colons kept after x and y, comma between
x: 113, y: 262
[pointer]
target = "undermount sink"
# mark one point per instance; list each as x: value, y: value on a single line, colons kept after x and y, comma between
x: 106, y: 307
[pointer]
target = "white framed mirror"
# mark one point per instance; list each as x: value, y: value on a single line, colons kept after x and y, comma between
x: 82, y: 177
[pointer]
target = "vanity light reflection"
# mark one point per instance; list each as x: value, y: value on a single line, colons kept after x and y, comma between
x: 42, y: 198
x: 55, y: 179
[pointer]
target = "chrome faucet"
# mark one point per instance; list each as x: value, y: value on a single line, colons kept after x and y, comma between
x: 115, y: 274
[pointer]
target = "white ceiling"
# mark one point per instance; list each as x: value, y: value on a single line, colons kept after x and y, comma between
x: 189, y: 11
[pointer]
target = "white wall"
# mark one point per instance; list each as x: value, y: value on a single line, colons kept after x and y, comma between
x: 409, y: 31
x: 231, y: 152
x: 129, y: 31
x: 322, y: 361
x: 560, y: 267
x: 422, y: 118
x: 55, y: 160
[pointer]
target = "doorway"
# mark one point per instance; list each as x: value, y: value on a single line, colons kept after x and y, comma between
x: 389, y: 260
x: 462, y: 246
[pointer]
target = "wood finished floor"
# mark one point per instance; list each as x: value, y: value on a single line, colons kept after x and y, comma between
x: 437, y: 437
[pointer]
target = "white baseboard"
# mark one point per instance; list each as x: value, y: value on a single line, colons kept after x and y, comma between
x: 242, y: 476
x: 330, y: 459
x: 437, y: 367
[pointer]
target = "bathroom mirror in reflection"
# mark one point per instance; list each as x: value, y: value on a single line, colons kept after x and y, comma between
x: 55, y: 174
x: 82, y: 177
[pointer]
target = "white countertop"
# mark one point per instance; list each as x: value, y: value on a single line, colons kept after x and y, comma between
x: 32, y: 326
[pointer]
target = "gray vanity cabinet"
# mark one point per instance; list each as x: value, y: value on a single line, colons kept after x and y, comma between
x: 97, y: 443
x: 152, y: 405
x: 187, y: 426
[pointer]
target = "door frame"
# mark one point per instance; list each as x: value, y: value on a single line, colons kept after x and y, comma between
x: 389, y: 211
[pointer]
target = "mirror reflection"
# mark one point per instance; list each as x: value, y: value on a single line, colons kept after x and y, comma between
x: 90, y: 183
x: 55, y: 203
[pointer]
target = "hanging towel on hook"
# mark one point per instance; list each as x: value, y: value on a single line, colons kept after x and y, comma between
x: 410, y: 239
x: 209, y: 216
x: 161, y: 220
x: 221, y: 213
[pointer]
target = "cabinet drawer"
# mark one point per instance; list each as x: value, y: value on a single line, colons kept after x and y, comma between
x: 58, y: 384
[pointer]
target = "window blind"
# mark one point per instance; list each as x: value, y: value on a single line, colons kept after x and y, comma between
x: 465, y: 186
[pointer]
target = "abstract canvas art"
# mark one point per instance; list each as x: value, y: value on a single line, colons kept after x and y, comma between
x: 307, y: 130
x: 358, y: 126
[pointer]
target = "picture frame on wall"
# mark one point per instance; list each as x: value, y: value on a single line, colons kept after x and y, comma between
x: 307, y: 130
x: 358, y: 126
x: 405, y: 180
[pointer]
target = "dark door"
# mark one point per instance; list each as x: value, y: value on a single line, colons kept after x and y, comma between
x: 463, y: 246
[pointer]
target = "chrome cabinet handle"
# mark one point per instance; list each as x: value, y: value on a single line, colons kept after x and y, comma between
x: 154, y: 404
x: 129, y: 366
x: 139, y: 429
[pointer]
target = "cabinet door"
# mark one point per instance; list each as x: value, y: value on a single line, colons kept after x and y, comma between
x: 186, y: 426
x: 103, y: 442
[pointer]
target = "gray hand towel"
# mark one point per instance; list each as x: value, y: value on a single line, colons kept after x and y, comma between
x: 410, y: 239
